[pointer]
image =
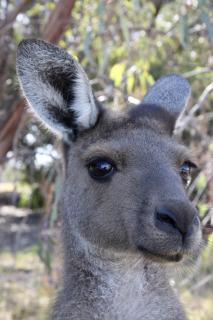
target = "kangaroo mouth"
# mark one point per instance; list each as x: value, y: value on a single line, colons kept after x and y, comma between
x: 161, y: 257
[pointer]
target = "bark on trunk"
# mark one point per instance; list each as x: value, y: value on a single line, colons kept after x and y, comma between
x: 54, y: 28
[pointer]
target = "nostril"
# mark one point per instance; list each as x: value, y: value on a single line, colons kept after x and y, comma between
x: 180, y: 220
x: 167, y: 217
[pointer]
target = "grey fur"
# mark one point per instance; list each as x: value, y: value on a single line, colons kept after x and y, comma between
x: 115, y: 255
x: 172, y: 92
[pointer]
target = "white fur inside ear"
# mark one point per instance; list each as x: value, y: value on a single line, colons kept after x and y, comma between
x: 84, y: 103
x: 49, y: 94
x: 43, y: 96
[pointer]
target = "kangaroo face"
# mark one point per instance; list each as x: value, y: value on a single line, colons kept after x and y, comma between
x: 125, y: 176
x: 131, y: 192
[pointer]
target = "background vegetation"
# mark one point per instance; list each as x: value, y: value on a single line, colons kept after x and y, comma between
x: 124, y: 46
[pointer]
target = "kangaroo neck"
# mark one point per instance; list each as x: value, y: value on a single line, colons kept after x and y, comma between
x: 115, y: 286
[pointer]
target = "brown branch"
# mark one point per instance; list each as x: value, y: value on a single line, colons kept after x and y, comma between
x: 9, y: 129
x: 202, y: 98
x: 58, y: 21
x: 182, y: 124
x: 54, y: 28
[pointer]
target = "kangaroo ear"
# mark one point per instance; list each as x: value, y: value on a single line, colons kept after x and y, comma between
x: 171, y: 92
x: 56, y: 87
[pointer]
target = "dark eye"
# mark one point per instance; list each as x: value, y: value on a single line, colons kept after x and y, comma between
x: 100, y: 169
x: 186, y: 171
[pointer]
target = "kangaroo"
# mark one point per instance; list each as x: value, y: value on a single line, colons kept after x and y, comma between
x: 126, y: 216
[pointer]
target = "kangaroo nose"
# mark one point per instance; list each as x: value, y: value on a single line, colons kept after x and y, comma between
x: 168, y: 221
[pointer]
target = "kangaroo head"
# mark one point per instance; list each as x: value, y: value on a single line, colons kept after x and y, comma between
x: 125, y: 176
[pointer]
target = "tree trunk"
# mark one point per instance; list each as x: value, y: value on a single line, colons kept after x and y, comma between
x: 54, y: 28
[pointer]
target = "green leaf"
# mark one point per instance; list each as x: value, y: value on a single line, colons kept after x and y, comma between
x: 68, y: 33
x: 62, y: 43
x: 150, y: 79
x: 210, y: 146
x: 144, y: 80
x: 130, y: 82
x: 201, y: 182
x: 100, y: 12
x: 51, y: 5
x: 184, y: 30
x: 202, y: 207
x: 87, y: 45
x: 103, y: 59
x: 116, y: 73
x: 35, y: 10
x: 124, y: 23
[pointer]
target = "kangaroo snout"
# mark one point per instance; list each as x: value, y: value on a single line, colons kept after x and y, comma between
x: 179, y: 219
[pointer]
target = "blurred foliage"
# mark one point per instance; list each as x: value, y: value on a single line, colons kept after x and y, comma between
x: 26, y: 290
x: 124, y: 47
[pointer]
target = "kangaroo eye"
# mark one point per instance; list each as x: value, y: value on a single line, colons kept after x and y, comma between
x: 186, y: 172
x: 100, y: 169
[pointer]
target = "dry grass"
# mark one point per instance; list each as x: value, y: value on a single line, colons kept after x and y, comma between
x: 24, y: 286
x: 198, y: 307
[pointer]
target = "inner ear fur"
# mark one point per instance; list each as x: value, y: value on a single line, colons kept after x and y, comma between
x: 56, y: 87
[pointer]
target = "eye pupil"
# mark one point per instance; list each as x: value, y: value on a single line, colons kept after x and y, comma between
x: 100, y: 168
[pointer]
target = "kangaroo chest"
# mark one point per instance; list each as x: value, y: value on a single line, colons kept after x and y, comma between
x: 133, y: 297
